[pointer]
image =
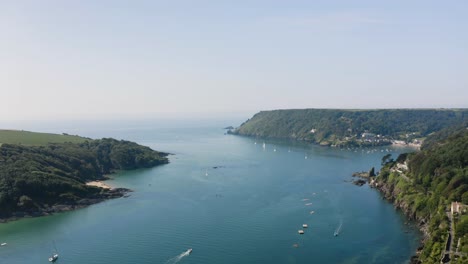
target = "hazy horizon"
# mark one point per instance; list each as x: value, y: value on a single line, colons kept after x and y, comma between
x: 91, y: 60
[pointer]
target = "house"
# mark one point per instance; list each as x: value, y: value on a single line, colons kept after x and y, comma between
x: 456, y: 208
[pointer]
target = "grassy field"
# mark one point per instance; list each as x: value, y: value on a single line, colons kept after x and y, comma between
x: 35, y: 138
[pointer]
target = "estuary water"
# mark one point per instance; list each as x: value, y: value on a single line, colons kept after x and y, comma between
x: 227, y: 197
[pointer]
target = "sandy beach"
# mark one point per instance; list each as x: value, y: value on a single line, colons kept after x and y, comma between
x: 100, y: 184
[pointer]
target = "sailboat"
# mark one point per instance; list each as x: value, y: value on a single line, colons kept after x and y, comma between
x: 55, y: 256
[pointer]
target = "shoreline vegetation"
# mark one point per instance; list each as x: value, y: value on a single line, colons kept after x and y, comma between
x: 39, y: 178
x: 345, y: 128
x: 431, y: 188
x: 425, y: 184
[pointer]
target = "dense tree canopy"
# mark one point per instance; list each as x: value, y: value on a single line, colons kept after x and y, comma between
x: 436, y: 177
x: 32, y: 176
x: 332, y: 126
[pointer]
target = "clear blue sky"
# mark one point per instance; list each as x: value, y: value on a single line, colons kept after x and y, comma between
x: 102, y: 59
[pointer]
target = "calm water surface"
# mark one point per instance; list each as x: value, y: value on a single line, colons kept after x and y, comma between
x: 229, y: 199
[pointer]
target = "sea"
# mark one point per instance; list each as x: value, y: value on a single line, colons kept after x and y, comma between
x: 231, y: 199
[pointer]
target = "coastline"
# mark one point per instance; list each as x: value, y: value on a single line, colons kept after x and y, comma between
x: 100, y: 184
x: 108, y: 192
x: 420, y: 223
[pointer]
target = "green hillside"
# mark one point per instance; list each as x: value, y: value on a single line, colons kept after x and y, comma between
x: 425, y: 183
x: 39, y: 180
x: 346, y: 127
x: 35, y: 138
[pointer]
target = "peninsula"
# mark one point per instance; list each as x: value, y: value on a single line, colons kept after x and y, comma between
x: 44, y: 173
x: 351, y: 128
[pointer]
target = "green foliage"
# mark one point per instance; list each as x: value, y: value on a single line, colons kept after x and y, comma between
x: 31, y: 176
x: 461, y: 227
x: 437, y: 176
x: 338, y: 126
x: 444, y: 134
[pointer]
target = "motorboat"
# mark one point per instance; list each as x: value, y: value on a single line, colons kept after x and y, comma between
x: 53, y: 258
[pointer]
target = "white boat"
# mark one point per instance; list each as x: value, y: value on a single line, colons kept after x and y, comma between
x: 3, y: 244
x: 189, y: 251
x: 53, y: 258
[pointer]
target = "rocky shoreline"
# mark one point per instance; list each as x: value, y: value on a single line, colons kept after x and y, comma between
x: 389, y: 195
x: 106, y: 194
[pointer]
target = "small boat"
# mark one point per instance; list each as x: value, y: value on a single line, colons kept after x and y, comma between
x: 55, y: 255
x: 189, y: 251
x: 53, y: 258
x: 301, y: 232
x: 338, y: 230
x: 305, y: 226
x: 3, y: 244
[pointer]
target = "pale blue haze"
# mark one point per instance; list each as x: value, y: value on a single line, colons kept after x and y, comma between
x: 85, y: 59
x: 247, y: 210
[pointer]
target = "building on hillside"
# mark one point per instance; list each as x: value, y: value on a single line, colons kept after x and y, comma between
x: 456, y: 208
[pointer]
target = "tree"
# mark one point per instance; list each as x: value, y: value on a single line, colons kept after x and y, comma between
x: 386, y: 159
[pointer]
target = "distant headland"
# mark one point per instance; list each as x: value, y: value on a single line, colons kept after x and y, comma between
x: 352, y: 128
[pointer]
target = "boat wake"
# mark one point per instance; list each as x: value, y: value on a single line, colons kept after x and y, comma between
x: 338, y: 230
x: 178, y: 257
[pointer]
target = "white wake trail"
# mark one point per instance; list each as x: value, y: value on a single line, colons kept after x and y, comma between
x: 178, y: 257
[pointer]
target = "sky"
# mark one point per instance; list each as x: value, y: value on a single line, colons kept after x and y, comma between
x: 115, y: 59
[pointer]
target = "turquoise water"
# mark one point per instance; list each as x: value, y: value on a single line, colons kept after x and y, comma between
x: 248, y: 210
